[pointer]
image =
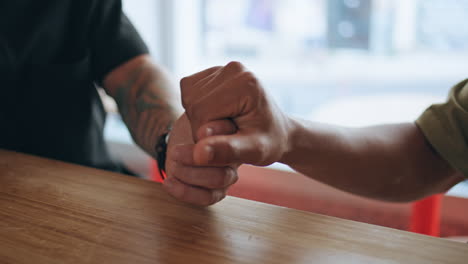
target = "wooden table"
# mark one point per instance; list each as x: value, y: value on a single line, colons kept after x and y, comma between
x: 53, y: 212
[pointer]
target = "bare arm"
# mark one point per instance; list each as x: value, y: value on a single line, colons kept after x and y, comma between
x: 388, y: 162
x: 148, y: 105
x: 145, y: 96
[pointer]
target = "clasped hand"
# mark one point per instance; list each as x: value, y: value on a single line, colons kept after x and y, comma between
x: 229, y: 121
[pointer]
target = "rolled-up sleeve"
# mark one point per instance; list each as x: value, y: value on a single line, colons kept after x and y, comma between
x: 445, y: 126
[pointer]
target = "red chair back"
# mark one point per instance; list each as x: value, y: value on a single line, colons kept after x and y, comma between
x: 425, y: 216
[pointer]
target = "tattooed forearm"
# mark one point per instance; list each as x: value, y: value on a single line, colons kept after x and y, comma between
x: 148, y: 101
x: 146, y: 105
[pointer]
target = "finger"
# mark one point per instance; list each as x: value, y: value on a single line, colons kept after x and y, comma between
x: 232, y: 149
x: 208, y: 85
x: 231, y: 100
x: 191, y: 80
x: 182, y: 154
x: 192, y: 194
x: 205, y: 177
x: 217, y: 127
x: 189, y: 85
x: 225, y: 74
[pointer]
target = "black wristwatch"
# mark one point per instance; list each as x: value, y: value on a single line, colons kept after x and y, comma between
x: 161, y: 151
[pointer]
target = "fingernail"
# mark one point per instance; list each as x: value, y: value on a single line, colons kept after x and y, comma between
x: 209, y: 153
x: 209, y: 131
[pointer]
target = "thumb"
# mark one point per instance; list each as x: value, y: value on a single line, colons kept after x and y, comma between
x: 226, y: 150
x: 217, y: 127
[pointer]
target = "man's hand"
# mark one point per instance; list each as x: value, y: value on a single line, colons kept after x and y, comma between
x: 197, y: 185
x: 233, y: 93
x: 388, y: 162
x: 145, y: 96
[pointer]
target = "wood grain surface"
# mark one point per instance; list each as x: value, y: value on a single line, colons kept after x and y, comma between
x: 53, y: 212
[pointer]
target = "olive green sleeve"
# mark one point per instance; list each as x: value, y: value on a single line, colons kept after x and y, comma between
x: 446, y: 127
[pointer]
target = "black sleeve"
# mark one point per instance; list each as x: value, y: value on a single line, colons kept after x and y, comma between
x: 114, y: 38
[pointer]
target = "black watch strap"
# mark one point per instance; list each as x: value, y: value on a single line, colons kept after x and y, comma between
x: 161, y: 151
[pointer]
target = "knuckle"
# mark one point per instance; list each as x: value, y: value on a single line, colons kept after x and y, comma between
x: 185, y: 101
x: 192, y: 111
x: 230, y: 176
x: 185, y: 96
x: 251, y: 84
x: 234, y: 66
x: 184, y: 82
x: 250, y: 79
x: 263, y: 147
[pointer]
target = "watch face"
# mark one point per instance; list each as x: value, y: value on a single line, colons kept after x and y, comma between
x: 166, y: 137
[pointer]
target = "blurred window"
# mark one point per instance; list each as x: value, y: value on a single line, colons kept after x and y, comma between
x: 350, y: 62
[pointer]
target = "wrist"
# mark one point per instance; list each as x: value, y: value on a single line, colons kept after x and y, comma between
x: 292, y: 132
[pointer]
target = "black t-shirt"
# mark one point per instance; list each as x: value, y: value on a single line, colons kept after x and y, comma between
x: 52, y: 53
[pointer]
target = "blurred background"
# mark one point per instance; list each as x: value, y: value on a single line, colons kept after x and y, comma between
x: 346, y: 62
